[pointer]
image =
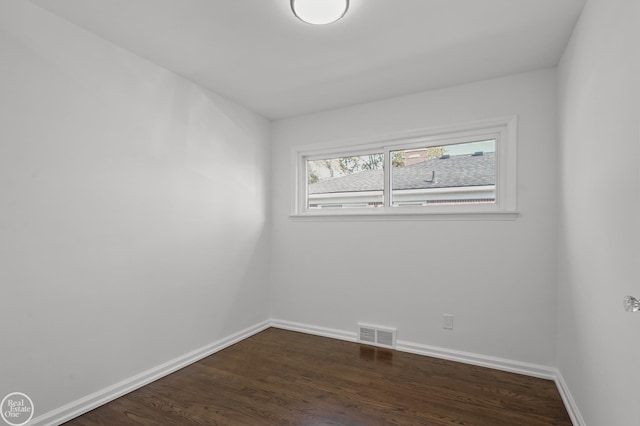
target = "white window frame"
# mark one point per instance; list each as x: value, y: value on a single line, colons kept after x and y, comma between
x: 503, y: 130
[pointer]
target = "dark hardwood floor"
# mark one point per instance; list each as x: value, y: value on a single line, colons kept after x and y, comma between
x: 280, y: 377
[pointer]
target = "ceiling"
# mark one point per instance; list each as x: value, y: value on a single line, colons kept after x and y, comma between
x: 258, y: 54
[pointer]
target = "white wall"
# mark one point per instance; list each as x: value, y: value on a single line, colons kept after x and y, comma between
x: 126, y: 239
x: 133, y: 212
x: 599, y: 94
x: 497, y: 278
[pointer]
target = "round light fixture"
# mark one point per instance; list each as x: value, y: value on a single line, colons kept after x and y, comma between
x: 319, y: 12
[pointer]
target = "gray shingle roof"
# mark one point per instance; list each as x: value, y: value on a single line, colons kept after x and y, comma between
x: 455, y: 171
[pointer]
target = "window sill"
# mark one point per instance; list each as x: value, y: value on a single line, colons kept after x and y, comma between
x: 404, y: 216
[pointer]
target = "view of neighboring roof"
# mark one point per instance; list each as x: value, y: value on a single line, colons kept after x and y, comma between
x: 444, y: 172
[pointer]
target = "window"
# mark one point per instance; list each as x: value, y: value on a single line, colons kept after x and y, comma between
x: 463, y: 173
x: 345, y: 182
x: 461, y: 170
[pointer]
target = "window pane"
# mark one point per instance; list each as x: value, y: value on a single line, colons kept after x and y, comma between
x: 346, y: 182
x: 450, y: 174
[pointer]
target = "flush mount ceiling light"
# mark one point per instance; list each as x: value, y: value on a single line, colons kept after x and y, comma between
x: 319, y: 12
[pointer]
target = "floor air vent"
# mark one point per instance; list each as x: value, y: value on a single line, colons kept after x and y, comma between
x: 378, y: 336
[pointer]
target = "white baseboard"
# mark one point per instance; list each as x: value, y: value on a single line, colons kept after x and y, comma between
x: 432, y: 351
x: 315, y: 330
x: 503, y: 364
x: 527, y: 369
x: 96, y: 399
x: 569, y: 402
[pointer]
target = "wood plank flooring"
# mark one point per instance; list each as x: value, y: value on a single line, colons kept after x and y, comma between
x: 280, y: 377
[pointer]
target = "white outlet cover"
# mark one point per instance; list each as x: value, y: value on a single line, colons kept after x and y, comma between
x: 447, y: 321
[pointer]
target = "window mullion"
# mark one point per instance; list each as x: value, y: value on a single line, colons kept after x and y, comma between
x: 387, y: 177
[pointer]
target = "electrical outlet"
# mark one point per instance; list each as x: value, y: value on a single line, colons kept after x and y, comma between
x: 447, y: 321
